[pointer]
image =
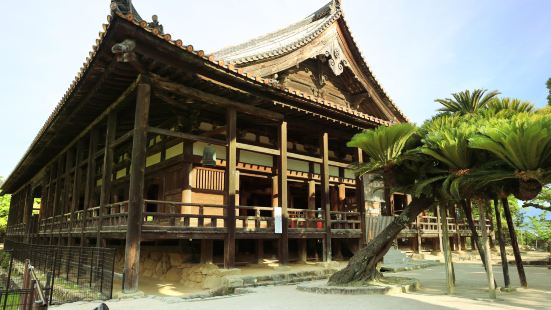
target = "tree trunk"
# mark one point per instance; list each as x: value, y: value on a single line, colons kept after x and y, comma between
x: 501, y: 240
x: 469, y: 215
x: 362, y: 266
x: 514, y: 242
x: 486, y: 243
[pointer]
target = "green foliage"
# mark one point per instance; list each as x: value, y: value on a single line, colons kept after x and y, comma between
x: 465, y: 102
x: 512, y: 104
x: 4, y: 210
x: 549, y: 88
x: 384, y: 146
x: 524, y: 142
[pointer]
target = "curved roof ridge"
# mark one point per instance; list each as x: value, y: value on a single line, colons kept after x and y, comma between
x: 283, y: 40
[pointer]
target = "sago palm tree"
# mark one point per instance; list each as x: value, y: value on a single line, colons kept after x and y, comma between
x: 465, y: 102
x: 512, y: 104
x: 385, y: 148
x: 523, y: 146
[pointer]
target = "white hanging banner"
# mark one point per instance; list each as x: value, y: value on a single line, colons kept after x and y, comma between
x: 277, y: 220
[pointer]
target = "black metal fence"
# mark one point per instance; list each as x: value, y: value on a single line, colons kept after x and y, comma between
x: 73, y: 273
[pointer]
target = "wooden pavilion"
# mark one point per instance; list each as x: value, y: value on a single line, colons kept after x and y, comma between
x: 156, y: 142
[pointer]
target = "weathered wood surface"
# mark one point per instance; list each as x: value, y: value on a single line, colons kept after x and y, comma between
x: 231, y: 159
x: 135, y: 196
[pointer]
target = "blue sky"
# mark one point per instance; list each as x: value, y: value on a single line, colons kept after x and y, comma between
x: 419, y: 50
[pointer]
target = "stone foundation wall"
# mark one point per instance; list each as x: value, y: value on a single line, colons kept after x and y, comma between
x: 176, y: 267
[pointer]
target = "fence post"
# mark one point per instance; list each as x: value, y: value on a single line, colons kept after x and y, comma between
x: 9, y: 272
x: 26, y: 284
x: 48, y: 288
x: 113, y: 274
x: 91, y: 267
x: 53, y: 277
x: 30, y: 298
x: 101, y: 276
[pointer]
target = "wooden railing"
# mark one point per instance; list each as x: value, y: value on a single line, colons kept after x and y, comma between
x: 180, y: 214
x: 306, y: 219
x: 251, y: 218
x: 345, y: 220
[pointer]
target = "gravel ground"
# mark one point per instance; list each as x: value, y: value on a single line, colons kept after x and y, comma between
x: 470, y: 294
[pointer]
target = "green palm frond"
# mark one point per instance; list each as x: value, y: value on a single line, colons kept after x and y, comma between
x: 465, y: 102
x: 524, y: 142
x: 384, y: 146
x: 512, y: 104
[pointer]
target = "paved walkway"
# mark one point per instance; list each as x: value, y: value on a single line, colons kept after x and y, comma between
x: 470, y: 294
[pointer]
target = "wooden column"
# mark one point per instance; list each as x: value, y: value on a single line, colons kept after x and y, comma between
x: 302, y: 250
x: 325, y: 199
x: 69, y: 161
x: 107, y: 171
x: 57, y: 193
x: 29, y: 202
x: 418, y: 234
x: 135, y: 195
x: 231, y: 161
x: 206, y: 251
x: 450, y: 278
x: 90, y: 183
x: 76, y: 189
x: 311, y: 195
x: 360, y: 200
x: 514, y: 242
x: 501, y: 240
x: 259, y: 251
x: 188, y: 176
x: 439, y: 227
x: 485, y: 243
x: 283, y: 197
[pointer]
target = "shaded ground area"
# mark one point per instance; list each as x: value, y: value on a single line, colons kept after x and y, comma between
x: 470, y: 294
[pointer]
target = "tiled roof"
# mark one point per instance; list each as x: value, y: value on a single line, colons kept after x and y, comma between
x: 283, y: 41
x: 228, y: 67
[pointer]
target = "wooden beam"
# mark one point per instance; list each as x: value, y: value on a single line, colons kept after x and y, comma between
x: 185, y: 136
x: 305, y: 158
x: 122, y: 139
x: 258, y: 149
x: 199, y: 95
x: 283, y: 197
x: 135, y: 195
x: 325, y: 199
x: 107, y: 171
x: 231, y: 161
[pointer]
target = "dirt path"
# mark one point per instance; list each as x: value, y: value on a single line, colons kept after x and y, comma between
x: 470, y: 294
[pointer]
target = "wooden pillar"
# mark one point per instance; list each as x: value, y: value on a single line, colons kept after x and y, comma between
x: 135, y: 195
x: 325, y: 195
x: 485, y: 243
x: 29, y: 202
x: 283, y: 198
x: 90, y: 183
x: 107, y: 171
x: 188, y: 176
x: 69, y: 161
x: 231, y: 161
x: 360, y: 200
x: 514, y: 242
x: 76, y: 189
x: 439, y: 227
x: 450, y: 277
x: 259, y: 251
x: 457, y: 231
x: 57, y: 193
x: 206, y: 251
x: 501, y: 240
x: 311, y: 195
x: 302, y: 251
x: 418, y: 234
